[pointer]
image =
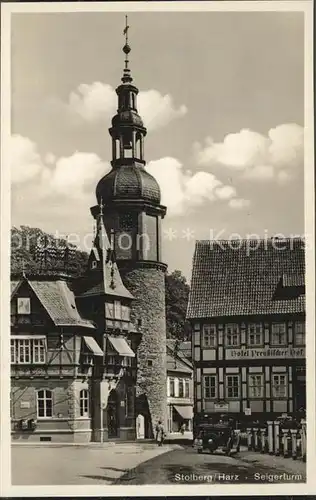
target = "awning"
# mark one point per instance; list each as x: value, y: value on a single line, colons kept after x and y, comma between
x: 121, y: 346
x: 186, y: 412
x: 93, y: 346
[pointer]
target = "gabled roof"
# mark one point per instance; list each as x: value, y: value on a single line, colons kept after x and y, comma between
x: 14, y: 286
x: 241, y: 279
x: 179, y: 354
x: 104, y: 278
x: 58, y: 300
x: 176, y: 364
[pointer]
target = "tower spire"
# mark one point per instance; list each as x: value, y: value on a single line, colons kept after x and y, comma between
x: 126, y: 49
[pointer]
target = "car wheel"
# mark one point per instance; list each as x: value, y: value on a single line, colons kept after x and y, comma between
x: 200, y: 451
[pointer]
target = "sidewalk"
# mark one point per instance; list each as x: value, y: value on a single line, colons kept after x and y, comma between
x: 287, y: 464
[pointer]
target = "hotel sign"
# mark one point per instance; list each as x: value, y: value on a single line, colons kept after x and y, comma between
x: 266, y: 353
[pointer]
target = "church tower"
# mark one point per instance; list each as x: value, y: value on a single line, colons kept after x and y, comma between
x: 132, y: 216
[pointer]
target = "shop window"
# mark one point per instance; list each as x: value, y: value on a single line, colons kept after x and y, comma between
x: 232, y: 337
x: 278, y: 334
x: 209, y: 335
x: 279, y: 386
x: 232, y: 386
x: 84, y: 403
x: 210, y: 386
x: 44, y: 403
x: 299, y: 333
x: 255, y: 334
x: 255, y: 386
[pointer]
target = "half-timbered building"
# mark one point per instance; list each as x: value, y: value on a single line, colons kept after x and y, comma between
x: 247, y: 311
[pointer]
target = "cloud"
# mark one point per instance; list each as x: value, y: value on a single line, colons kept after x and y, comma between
x: 98, y: 102
x: 71, y: 180
x: 70, y: 176
x: 182, y: 191
x: 256, y: 156
x: 24, y: 158
x: 238, y: 203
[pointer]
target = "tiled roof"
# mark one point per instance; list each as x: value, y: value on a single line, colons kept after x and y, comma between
x: 241, y: 279
x: 105, y: 278
x: 180, y: 353
x: 59, y: 302
x: 14, y: 285
x: 176, y: 365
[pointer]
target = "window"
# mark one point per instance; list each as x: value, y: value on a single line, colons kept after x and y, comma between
x: 172, y: 388
x: 125, y: 313
x: 24, y: 305
x: 210, y: 386
x: 187, y: 388
x: 279, y: 386
x: 28, y: 351
x: 299, y: 333
x: 278, y: 334
x: 232, y: 335
x: 255, y: 386
x: 38, y: 351
x: 127, y: 361
x: 44, y: 404
x: 255, y: 336
x: 232, y: 386
x: 181, y: 388
x: 117, y: 309
x: 209, y: 335
x: 84, y: 403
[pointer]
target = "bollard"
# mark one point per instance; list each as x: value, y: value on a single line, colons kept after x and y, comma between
x: 249, y: 438
x: 277, y: 438
x: 255, y: 431
x: 294, y: 443
x: 303, y: 440
x: 263, y: 440
x: 270, y: 437
x: 285, y: 433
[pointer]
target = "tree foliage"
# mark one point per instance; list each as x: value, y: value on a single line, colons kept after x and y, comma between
x: 177, y: 294
x: 25, y: 241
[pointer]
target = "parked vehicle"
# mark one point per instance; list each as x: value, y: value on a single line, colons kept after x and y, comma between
x: 217, y: 437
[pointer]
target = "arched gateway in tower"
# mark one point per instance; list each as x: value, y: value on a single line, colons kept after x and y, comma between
x: 132, y: 214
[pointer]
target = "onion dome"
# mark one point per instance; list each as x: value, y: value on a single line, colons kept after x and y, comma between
x: 128, y: 182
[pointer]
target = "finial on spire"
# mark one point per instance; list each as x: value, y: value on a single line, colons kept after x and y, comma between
x: 126, y: 49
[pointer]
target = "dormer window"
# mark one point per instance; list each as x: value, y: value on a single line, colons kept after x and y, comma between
x: 94, y: 264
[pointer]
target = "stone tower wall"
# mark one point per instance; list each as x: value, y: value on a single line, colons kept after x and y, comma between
x: 148, y: 287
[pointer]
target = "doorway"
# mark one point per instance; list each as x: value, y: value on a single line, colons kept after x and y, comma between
x: 113, y: 414
x: 300, y: 388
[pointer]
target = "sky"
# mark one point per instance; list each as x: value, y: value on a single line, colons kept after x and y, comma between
x: 222, y: 97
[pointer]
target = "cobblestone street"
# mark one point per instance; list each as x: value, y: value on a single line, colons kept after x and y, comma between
x: 185, y: 466
x: 85, y: 464
x: 144, y: 463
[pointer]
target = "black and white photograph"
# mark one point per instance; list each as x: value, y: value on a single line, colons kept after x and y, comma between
x: 157, y: 213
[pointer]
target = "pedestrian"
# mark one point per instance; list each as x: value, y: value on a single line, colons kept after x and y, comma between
x: 160, y: 433
x: 182, y: 428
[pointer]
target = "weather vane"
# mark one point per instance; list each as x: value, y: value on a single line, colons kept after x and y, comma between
x: 125, y: 32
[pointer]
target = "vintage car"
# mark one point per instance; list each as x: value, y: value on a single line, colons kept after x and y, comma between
x: 217, y: 437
